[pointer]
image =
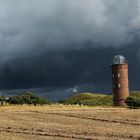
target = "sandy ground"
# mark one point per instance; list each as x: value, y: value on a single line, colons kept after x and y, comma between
x: 68, y: 123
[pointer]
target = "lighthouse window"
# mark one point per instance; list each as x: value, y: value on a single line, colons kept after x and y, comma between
x: 119, y: 85
x: 119, y: 75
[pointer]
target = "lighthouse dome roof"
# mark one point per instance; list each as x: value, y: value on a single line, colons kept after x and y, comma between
x: 119, y: 59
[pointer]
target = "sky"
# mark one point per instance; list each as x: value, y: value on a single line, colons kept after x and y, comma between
x: 67, y: 45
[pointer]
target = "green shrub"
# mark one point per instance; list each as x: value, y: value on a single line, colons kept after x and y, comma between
x: 27, y: 98
x: 133, y: 102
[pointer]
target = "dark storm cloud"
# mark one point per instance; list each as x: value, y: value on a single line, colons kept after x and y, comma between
x: 66, y: 43
x: 68, y: 68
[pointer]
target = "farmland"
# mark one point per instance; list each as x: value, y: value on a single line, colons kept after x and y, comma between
x: 64, y: 122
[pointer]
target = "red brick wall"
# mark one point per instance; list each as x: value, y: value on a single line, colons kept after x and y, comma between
x: 120, y: 84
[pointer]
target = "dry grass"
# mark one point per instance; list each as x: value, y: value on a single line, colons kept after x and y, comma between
x: 60, y: 122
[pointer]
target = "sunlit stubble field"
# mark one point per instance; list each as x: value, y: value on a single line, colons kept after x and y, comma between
x: 59, y: 122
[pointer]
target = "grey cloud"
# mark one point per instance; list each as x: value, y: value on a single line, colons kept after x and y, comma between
x: 54, y: 24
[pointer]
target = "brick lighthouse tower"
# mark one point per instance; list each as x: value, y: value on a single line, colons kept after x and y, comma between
x: 119, y: 80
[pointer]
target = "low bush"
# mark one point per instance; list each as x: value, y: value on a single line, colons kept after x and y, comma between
x: 133, y: 102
